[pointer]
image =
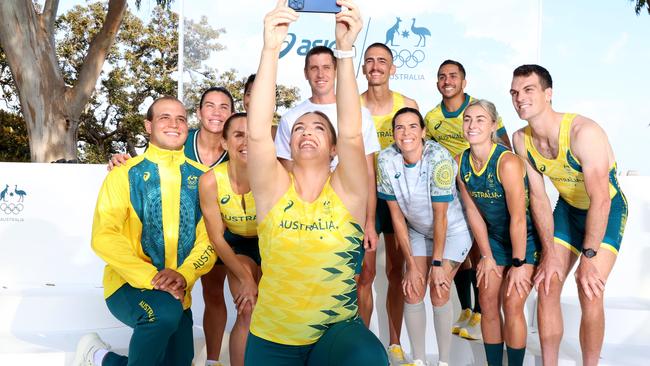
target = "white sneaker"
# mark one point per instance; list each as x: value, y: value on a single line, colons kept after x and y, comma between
x: 462, y: 321
x: 214, y: 363
x: 396, y: 355
x: 440, y: 363
x: 416, y: 363
x: 472, y: 330
x: 86, y: 348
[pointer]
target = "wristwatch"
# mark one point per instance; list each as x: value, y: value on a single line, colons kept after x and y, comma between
x: 516, y: 262
x: 589, y: 253
x: 436, y: 263
x: 345, y: 54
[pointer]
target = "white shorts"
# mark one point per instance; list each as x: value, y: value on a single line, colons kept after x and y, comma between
x: 457, y: 245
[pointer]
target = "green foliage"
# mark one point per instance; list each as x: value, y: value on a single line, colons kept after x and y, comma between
x: 640, y: 4
x: 14, y: 143
x: 138, y: 69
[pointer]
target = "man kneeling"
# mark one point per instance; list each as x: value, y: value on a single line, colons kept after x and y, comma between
x: 149, y: 229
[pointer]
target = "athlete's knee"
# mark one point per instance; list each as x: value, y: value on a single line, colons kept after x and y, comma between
x: 439, y: 300
x: 513, y: 305
x: 415, y: 299
x: 489, y: 304
x: 167, y: 319
x: 395, y: 272
x: 367, y: 276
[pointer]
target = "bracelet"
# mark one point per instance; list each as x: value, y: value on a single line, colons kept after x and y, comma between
x: 345, y: 54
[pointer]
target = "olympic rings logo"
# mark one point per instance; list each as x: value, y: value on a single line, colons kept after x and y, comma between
x: 405, y: 57
x: 11, y: 208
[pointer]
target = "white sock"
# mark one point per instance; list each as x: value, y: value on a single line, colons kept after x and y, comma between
x: 98, y: 356
x: 415, y: 318
x: 442, y: 322
x: 211, y: 362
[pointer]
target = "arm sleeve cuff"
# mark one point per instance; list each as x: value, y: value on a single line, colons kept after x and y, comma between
x: 445, y: 198
x: 386, y: 197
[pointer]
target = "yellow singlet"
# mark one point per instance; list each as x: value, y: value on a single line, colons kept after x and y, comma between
x: 310, y: 255
x: 565, y: 171
x: 384, y: 123
x: 447, y: 127
x: 237, y: 211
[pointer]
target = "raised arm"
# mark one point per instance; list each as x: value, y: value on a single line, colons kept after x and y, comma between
x: 351, y: 186
x: 263, y: 166
x: 540, y: 208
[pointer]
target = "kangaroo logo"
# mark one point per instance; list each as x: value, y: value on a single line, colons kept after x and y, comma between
x: 3, y: 194
x: 225, y: 199
x: 390, y: 33
x: 288, y: 206
x: 8, y: 202
x: 409, y: 56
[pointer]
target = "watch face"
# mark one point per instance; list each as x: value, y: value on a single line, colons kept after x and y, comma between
x: 518, y: 262
x: 589, y: 253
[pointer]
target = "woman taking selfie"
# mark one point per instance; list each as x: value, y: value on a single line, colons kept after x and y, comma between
x: 309, y: 221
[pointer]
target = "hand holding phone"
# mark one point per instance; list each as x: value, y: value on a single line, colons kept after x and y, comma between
x: 315, y: 6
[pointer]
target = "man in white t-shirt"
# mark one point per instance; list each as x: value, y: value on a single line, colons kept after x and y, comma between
x: 320, y: 72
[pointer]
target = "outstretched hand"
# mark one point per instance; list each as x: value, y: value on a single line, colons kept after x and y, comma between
x: 276, y: 25
x: 348, y: 25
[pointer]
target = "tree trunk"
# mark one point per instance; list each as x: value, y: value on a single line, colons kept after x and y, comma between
x: 50, y: 108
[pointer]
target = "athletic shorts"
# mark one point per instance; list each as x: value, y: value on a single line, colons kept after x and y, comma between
x: 383, y: 221
x: 242, y: 245
x: 570, y: 225
x: 503, y: 254
x: 346, y: 343
x: 457, y: 245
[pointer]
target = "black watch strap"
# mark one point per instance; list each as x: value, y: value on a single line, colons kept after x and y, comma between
x: 516, y: 262
x: 589, y: 253
x: 436, y: 263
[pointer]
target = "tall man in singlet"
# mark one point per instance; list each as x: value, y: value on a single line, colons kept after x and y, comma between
x: 382, y: 103
x: 589, y: 217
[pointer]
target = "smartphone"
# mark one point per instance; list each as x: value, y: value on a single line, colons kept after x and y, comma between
x: 315, y: 6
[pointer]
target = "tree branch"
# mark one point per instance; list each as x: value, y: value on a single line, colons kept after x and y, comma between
x: 92, y: 66
x: 49, y: 17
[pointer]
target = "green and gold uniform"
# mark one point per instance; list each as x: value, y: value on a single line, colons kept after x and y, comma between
x: 384, y: 127
x: 239, y: 214
x: 191, y: 149
x: 447, y: 127
x: 147, y: 219
x: 311, y: 253
x: 570, y: 214
x: 486, y: 190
